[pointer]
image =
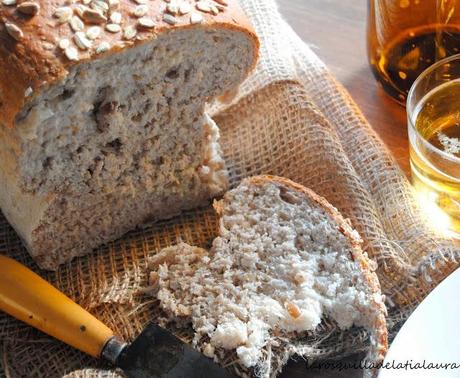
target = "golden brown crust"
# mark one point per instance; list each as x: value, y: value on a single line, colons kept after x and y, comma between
x: 34, y: 61
x: 380, y: 327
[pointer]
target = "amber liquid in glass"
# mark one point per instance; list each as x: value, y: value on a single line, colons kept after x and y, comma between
x: 437, y: 174
x: 407, y: 56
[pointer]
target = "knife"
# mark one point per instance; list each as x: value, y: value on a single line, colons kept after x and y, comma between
x: 155, y: 353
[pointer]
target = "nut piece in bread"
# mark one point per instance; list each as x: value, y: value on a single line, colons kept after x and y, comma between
x: 284, y: 261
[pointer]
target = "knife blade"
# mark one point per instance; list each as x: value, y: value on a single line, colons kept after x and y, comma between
x: 158, y: 353
x: 155, y: 353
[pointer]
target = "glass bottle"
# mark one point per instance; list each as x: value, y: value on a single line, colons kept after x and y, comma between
x: 405, y: 37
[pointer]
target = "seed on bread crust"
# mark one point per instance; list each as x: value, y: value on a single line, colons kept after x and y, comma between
x: 141, y: 10
x: 48, y: 45
x: 63, y: 14
x: 129, y: 32
x: 185, y: 8
x: 147, y: 23
x: 64, y: 43
x: 14, y: 31
x: 93, y: 32
x: 76, y: 24
x: 71, y: 53
x: 169, y: 19
x: 172, y: 8
x: 103, y: 47
x: 203, y: 6
x: 28, y: 8
x: 99, y: 5
x: 113, y: 28
x: 196, y: 18
x: 81, y: 41
x: 93, y: 16
x: 115, y: 17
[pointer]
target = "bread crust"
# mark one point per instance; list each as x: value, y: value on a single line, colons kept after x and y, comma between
x: 29, y: 66
x: 380, y: 342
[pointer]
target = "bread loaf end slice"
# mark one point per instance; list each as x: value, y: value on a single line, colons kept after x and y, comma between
x: 285, y: 261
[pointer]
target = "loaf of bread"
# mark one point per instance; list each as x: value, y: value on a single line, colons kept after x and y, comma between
x: 284, y: 261
x: 102, y: 122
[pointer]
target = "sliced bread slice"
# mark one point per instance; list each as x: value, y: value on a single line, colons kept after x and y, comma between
x: 285, y: 260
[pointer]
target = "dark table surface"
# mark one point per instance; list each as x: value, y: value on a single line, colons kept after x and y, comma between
x: 336, y: 31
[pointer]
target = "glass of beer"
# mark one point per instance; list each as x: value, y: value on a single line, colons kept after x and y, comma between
x: 433, y: 109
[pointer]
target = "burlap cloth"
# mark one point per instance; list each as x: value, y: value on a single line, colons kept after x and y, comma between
x: 291, y: 118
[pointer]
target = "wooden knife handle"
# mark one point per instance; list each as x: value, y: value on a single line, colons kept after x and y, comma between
x: 27, y: 297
